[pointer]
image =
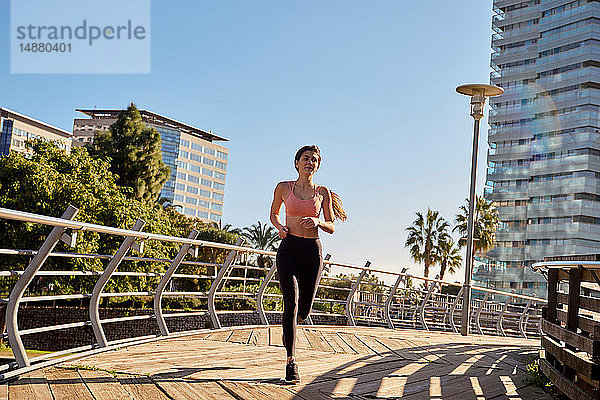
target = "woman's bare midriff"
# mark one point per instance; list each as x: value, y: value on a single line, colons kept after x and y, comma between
x: 296, y: 228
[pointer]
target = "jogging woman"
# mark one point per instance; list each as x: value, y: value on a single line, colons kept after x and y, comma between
x: 299, y: 259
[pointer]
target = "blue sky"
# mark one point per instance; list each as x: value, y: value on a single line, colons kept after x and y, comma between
x: 372, y: 83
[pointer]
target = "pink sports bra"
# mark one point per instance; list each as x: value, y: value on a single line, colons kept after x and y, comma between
x: 302, y: 208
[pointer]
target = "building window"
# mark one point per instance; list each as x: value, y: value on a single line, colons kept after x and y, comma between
x: 221, y: 165
x: 205, y: 193
x: 219, y: 175
x: 207, y: 182
x: 217, y: 196
x: 203, y: 203
x: 215, y: 217
x: 218, y: 186
x: 193, y: 179
x: 208, y: 161
x: 179, y: 198
x: 216, y: 206
x: 203, y: 214
x: 185, y: 143
x: 196, y: 157
x: 221, y: 155
x: 195, y: 168
x: 189, y: 211
x: 192, y: 189
x: 184, y: 154
x: 210, y: 151
x: 191, y: 200
x: 196, y: 146
x: 181, y: 175
x: 179, y: 186
x: 206, y: 171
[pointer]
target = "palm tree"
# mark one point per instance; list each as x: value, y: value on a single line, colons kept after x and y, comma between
x: 424, y: 236
x: 484, y: 227
x: 229, y: 228
x: 263, y: 237
x: 448, y: 256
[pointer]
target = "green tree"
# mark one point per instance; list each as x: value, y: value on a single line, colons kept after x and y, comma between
x: 448, y: 256
x: 135, y: 154
x: 230, y: 228
x: 484, y: 227
x: 424, y: 236
x: 263, y: 237
x: 48, y: 181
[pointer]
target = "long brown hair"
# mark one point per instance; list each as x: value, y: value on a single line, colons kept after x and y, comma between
x: 336, y: 201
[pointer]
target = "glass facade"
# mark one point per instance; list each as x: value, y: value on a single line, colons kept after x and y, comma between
x: 6, y: 138
x: 191, y: 156
x: 543, y: 162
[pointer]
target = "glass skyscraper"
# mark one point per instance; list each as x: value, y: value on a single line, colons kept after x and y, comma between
x: 198, y: 165
x: 544, y: 138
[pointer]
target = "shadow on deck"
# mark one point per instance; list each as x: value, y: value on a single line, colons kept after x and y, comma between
x: 335, y: 362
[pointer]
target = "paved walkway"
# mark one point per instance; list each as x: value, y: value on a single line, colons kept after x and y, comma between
x: 335, y: 362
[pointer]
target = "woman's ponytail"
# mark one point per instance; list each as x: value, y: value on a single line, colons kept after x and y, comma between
x: 338, y: 207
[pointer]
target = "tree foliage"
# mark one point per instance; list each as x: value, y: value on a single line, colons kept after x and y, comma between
x: 484, y: 228
x: 135, y: 155
x: 48, y: 181
x: 264, y: 237
x: 424, y: 236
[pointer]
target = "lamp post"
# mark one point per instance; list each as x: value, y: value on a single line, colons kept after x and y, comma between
x: 478, y: 94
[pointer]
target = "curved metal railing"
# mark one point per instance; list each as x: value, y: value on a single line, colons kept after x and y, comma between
x: 391, y: 300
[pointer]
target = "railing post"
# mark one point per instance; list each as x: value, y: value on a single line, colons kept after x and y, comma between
x: 424, y: 303
x: 349, y: 299
x: 523, y: 318
x: 259, y: 296
x: 499, y: 327
x: 101, y: 283
x: 478, y: 313
x: 216, y: 285
x: 12, y: 308
x: 183, y: 251
x: 390, y: 299
x: 453, y: 309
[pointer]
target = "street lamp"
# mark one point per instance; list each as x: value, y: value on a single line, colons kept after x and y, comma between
x: 478, y: 94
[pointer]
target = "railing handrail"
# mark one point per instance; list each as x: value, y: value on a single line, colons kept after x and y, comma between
x: 76, y: 225
x: 566, y: 265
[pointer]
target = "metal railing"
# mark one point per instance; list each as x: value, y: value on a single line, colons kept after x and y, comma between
x: 360, y: 294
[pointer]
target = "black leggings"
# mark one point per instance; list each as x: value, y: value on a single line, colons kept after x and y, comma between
x: 299, y: 264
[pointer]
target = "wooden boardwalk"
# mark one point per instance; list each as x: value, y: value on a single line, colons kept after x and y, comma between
x: 335, y: 362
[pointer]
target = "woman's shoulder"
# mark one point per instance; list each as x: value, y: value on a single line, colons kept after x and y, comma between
x: 322, y: 190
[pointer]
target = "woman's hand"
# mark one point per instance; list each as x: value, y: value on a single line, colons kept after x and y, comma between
x: 310, y: 222
x: 283, y: 231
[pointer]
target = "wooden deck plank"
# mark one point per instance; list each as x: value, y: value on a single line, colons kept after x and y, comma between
x: 67, y: 384
x: 337, y: 344
x: 355, y: 344
x: 334, y: 362
x: 317, y: 341
x: 190, y: 390
x: 301, y: 339
x: 253, y: 392
x: 275, y: 336
x: 30, y: 386
x: 141, y: 387
x: 240, y: 336
x: 259, y: 337
x: 103, y: 385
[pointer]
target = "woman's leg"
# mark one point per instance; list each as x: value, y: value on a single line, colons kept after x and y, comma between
x: 309, y: 274
x: 286, y: 269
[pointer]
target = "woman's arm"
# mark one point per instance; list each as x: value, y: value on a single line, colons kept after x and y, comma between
x: 327, y: 225
x: 276, y: 208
